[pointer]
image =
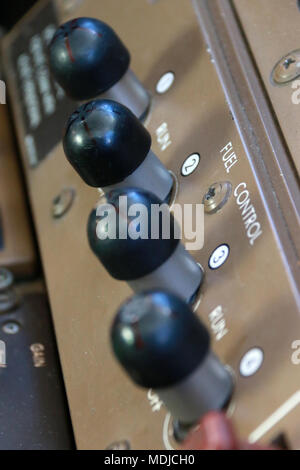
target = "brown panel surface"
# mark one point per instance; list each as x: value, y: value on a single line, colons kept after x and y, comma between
x: 255, y: 290
x: 18, y: 254
x: 272, y: 30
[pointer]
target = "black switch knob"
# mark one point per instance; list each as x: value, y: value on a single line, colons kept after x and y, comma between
x: 110, y: 149
x: 88, y: 59
x: 139, y: 247
x: 164, y: 346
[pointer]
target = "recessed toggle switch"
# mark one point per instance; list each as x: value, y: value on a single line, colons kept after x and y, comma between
x: 138, y: 244
x: 88, y: 59
x: 111, y: 149
x: 164, y: 346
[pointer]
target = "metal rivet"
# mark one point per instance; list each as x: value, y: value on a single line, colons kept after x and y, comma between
x: 216, y: 197
x: 62, y: 203
x: 11, y: 328
x: 287, y: 69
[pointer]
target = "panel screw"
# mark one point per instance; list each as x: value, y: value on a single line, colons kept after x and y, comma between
x: 62, y: 203
x: 287, y: 69
x: 11, y: 328
x: 216, y: 197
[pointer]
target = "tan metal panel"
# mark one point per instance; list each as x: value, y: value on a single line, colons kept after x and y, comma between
x: 253, y: 288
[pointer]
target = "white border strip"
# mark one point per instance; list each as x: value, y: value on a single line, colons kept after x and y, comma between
x: 275, y: 418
